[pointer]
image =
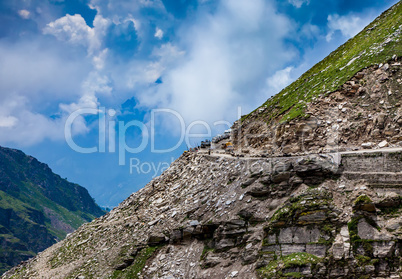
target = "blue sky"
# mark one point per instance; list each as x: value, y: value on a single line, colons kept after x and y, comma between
x: 148, y: 69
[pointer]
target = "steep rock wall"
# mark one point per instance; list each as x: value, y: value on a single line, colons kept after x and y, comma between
x: 363, y: 113
x: 219, y: 217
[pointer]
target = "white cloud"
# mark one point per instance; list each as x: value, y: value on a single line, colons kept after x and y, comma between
x: 8, y: 121
x: 88, y: 100
x: 299, y: 3
x: 158, y: 33
x: 38, y: 73
x: 227, y: 57
x: 24, y: 14
x: 37, y: 82
x: 219, y: 61
x: 19, y: 125
x: 31, y: 128
x: 136, y: 22
x: 132, y: 10
x: 74, y: 30
x: 348, y: 25
x: 97, y: 83
x: 101, y: 25
x: 310, y: 31
x: 99, y: 60
x: 70, y: 28
x: 123, y: 7
x: 280, y: 80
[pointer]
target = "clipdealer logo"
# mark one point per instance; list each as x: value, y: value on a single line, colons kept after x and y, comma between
x: 109, y: 141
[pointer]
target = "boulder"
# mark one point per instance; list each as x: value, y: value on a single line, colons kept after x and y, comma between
x: 176, y: 235
x: 224, y: 244
x: 391, y: 200
x: 235, y: 223
x: 295, y: 180
x: 249, y: 256
x: 286, y: 236
x: 367, y: 145
x: 194, y: 223
x: 290, y: 149
x: 318, y: 250
x: 257, y: 192
x: 156, y: 239
x: 380, y: 120
x: 312, y: 217
x: 126, y: 263
x: 364, y: 203
x: 246, y: 214
x: 280, y: 177
x: 383, y: 249
x: 359, y: 75
x: 394, y: 225
x: 341, y: 246
x: 315, y: 165
x: 337, y: 248
x: 366, y: 231
x: 369, y: 207
x: 306, y: 166
x: 383, y: 144
x: 266, y: 180
x: 211, y: 261
x: 188, y: 232
x: 248, y: 182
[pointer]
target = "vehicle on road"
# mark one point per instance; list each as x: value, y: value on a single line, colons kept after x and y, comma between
x: 228, y: 147
x: 205, y: 143
x: 227, y: 134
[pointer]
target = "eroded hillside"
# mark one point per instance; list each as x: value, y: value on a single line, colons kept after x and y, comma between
x: 365, y: 112
x: 220, y: 217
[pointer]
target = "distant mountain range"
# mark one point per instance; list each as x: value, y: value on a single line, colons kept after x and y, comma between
x: 37, y: 207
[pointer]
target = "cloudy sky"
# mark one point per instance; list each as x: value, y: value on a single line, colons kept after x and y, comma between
x: 104, y: 66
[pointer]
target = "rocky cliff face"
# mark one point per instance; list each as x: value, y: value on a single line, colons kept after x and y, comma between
x: 221, y: 217
x: 364, y: 113
x: 316, y: 214
x: 37, y: 207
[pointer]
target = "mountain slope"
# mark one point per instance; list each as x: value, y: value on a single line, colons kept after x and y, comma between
x: 37, y: 207
x: 376, y: 44
x: 356, y: 84
x: 315, y: 215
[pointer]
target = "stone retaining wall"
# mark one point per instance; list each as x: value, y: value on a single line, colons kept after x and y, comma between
x: 382, y: 162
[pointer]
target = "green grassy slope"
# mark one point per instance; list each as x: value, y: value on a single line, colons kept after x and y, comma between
x: 376, y: 44
x: 37, y: 207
